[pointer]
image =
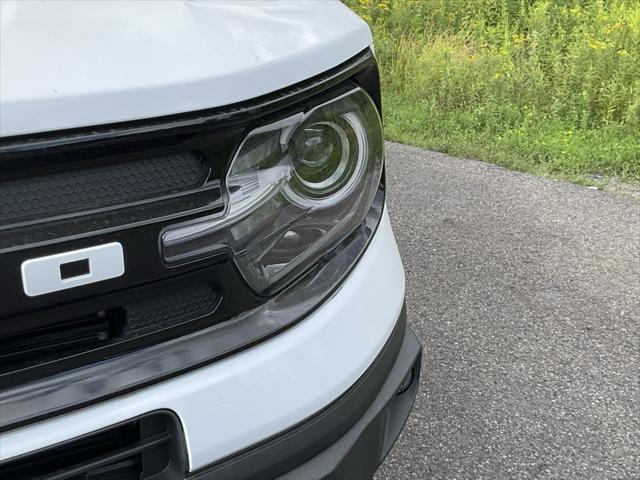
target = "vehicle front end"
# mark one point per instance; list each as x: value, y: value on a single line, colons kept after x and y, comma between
x: 199, y: 275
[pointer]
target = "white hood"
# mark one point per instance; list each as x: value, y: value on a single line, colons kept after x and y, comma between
x: 73, y: 64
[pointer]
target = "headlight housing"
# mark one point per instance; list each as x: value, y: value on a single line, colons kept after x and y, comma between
x: 296, y: 188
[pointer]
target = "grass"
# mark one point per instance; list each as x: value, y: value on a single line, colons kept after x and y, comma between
x: 542, y: 86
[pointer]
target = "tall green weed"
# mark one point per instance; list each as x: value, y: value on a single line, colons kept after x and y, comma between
x: 548, y: 86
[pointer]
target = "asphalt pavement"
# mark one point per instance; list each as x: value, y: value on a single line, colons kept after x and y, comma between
x: 525, y: 293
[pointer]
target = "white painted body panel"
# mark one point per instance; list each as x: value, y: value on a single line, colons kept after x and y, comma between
x: 66, y: 64
x: 250, y: 396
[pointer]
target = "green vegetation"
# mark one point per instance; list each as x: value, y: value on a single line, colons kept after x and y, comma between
x: 550, y: 87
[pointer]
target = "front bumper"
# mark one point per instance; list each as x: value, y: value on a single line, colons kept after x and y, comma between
x: 350, y: 438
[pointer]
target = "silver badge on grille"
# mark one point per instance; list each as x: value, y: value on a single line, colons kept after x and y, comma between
x: 72, y: 269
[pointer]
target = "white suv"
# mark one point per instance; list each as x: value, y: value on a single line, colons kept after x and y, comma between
x: 198, y: 274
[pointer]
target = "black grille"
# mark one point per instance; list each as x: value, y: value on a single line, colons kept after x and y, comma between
x: 31, y: 342
x: 149, y: 447
x: 99, y: 186
x: 127, y: 183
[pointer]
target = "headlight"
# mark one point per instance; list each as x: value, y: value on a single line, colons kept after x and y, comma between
x: 296, y: 188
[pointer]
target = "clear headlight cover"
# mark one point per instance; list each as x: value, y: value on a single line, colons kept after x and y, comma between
x: 295, y: 189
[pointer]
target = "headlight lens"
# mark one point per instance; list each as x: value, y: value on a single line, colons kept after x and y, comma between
x: 325, y: 158
x: 296, y: 188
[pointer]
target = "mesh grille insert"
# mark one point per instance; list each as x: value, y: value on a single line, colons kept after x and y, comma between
x: 187, y: 303
x: 57, y: 336
x: 49, y: 195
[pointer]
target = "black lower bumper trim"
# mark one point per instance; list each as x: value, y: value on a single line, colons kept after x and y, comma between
x: 350, y: 438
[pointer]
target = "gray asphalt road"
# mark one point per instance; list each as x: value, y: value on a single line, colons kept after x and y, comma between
x: 525, y: 294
